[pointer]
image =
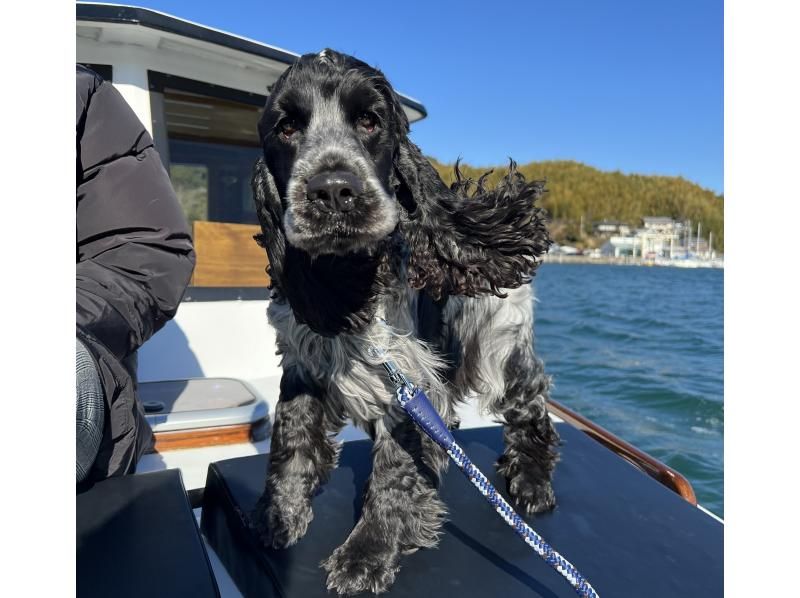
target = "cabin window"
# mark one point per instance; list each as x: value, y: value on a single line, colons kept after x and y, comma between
x: 207, y: 137
x: 190, y: 182
x: 226, y: 179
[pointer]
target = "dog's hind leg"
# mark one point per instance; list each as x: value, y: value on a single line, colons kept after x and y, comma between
x: 530, y: 438
x: 302, y: 454
x: 401, y: 512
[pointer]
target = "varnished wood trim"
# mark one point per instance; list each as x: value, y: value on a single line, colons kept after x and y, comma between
x: 650, y: 465
x: 227, y: 255
x: 185, y: 439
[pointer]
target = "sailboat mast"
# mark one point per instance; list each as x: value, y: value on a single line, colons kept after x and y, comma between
x: 697, y: 243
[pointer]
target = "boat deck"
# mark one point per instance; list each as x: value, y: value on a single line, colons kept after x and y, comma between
x: 194, y: 463
x: 194, y: 466
x: 622, y: 529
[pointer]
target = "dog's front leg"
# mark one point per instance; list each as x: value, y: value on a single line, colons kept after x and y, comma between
x: 302, y: 454
x: 402, y: 511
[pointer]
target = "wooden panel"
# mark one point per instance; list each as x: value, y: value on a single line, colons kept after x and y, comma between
x: 650, y: 465
x: 227, y: 255
x: 183, y: 439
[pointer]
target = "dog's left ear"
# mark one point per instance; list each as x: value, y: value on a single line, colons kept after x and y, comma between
x: 467, y: 245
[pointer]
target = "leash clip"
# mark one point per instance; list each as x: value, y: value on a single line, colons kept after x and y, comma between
x: 396, y: 377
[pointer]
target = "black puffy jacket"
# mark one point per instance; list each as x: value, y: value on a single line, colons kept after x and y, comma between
x: 134, y: 258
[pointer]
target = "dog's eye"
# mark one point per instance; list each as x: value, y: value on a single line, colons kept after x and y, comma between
x: 367, y: 121
x: 288, y: 127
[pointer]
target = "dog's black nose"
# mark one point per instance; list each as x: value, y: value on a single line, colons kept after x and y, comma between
x: 335, y: 190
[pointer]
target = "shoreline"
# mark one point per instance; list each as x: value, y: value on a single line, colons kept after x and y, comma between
x: 631, y: 261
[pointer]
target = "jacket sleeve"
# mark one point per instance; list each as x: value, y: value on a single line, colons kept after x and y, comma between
x: 134, y: 249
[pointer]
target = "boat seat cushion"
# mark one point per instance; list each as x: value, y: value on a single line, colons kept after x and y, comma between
x: 172, y: 405
x: 628, y: 534
x: 137, y: 536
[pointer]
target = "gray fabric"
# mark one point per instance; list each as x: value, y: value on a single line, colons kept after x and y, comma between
x: 88, y: 411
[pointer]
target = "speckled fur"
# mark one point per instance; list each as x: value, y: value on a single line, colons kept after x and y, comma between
x: 342, y: 283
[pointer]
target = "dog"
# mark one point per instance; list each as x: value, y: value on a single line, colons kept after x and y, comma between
x: 368, y: 246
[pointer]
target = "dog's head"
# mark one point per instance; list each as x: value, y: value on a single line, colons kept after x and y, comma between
x: 330, y: 131
x: 339, y: 177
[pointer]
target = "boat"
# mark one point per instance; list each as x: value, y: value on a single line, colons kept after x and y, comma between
x: 691, y: 262
x: 209, y: 379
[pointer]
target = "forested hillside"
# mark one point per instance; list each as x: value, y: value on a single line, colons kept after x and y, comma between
x: 577, y: 192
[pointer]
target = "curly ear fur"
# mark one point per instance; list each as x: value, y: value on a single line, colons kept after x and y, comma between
x: 468, y: 245
x: 270, y: 215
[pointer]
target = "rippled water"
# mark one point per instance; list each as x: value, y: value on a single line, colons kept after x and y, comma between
x: 639, y: 351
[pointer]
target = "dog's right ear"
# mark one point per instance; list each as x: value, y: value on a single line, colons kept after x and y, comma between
x: 417, y: 185
x: 270, y: 215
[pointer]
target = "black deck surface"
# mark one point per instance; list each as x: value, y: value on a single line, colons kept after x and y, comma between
x: 137, y: 536
x: 629, y: 535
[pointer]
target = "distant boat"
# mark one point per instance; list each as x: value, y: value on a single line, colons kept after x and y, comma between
x: 690, y: 262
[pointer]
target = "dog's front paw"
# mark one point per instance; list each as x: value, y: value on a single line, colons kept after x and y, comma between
x: 531, y: 496
x: 357, y: 567
x: 282, y: 522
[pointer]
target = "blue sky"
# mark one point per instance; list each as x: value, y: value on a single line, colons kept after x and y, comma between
x: 629, y: 85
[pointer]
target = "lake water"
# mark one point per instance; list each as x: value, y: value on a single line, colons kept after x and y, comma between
x: 639, y: 351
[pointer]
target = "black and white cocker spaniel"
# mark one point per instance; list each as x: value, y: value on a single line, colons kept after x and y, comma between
x: 366, y: 246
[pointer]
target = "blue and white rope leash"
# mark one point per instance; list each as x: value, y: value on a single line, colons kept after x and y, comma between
x: 414, y: 401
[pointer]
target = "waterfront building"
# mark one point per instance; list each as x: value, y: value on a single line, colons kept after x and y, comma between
x: 659, y: 237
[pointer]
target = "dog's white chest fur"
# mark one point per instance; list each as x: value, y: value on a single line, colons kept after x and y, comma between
x: 345, y: 368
